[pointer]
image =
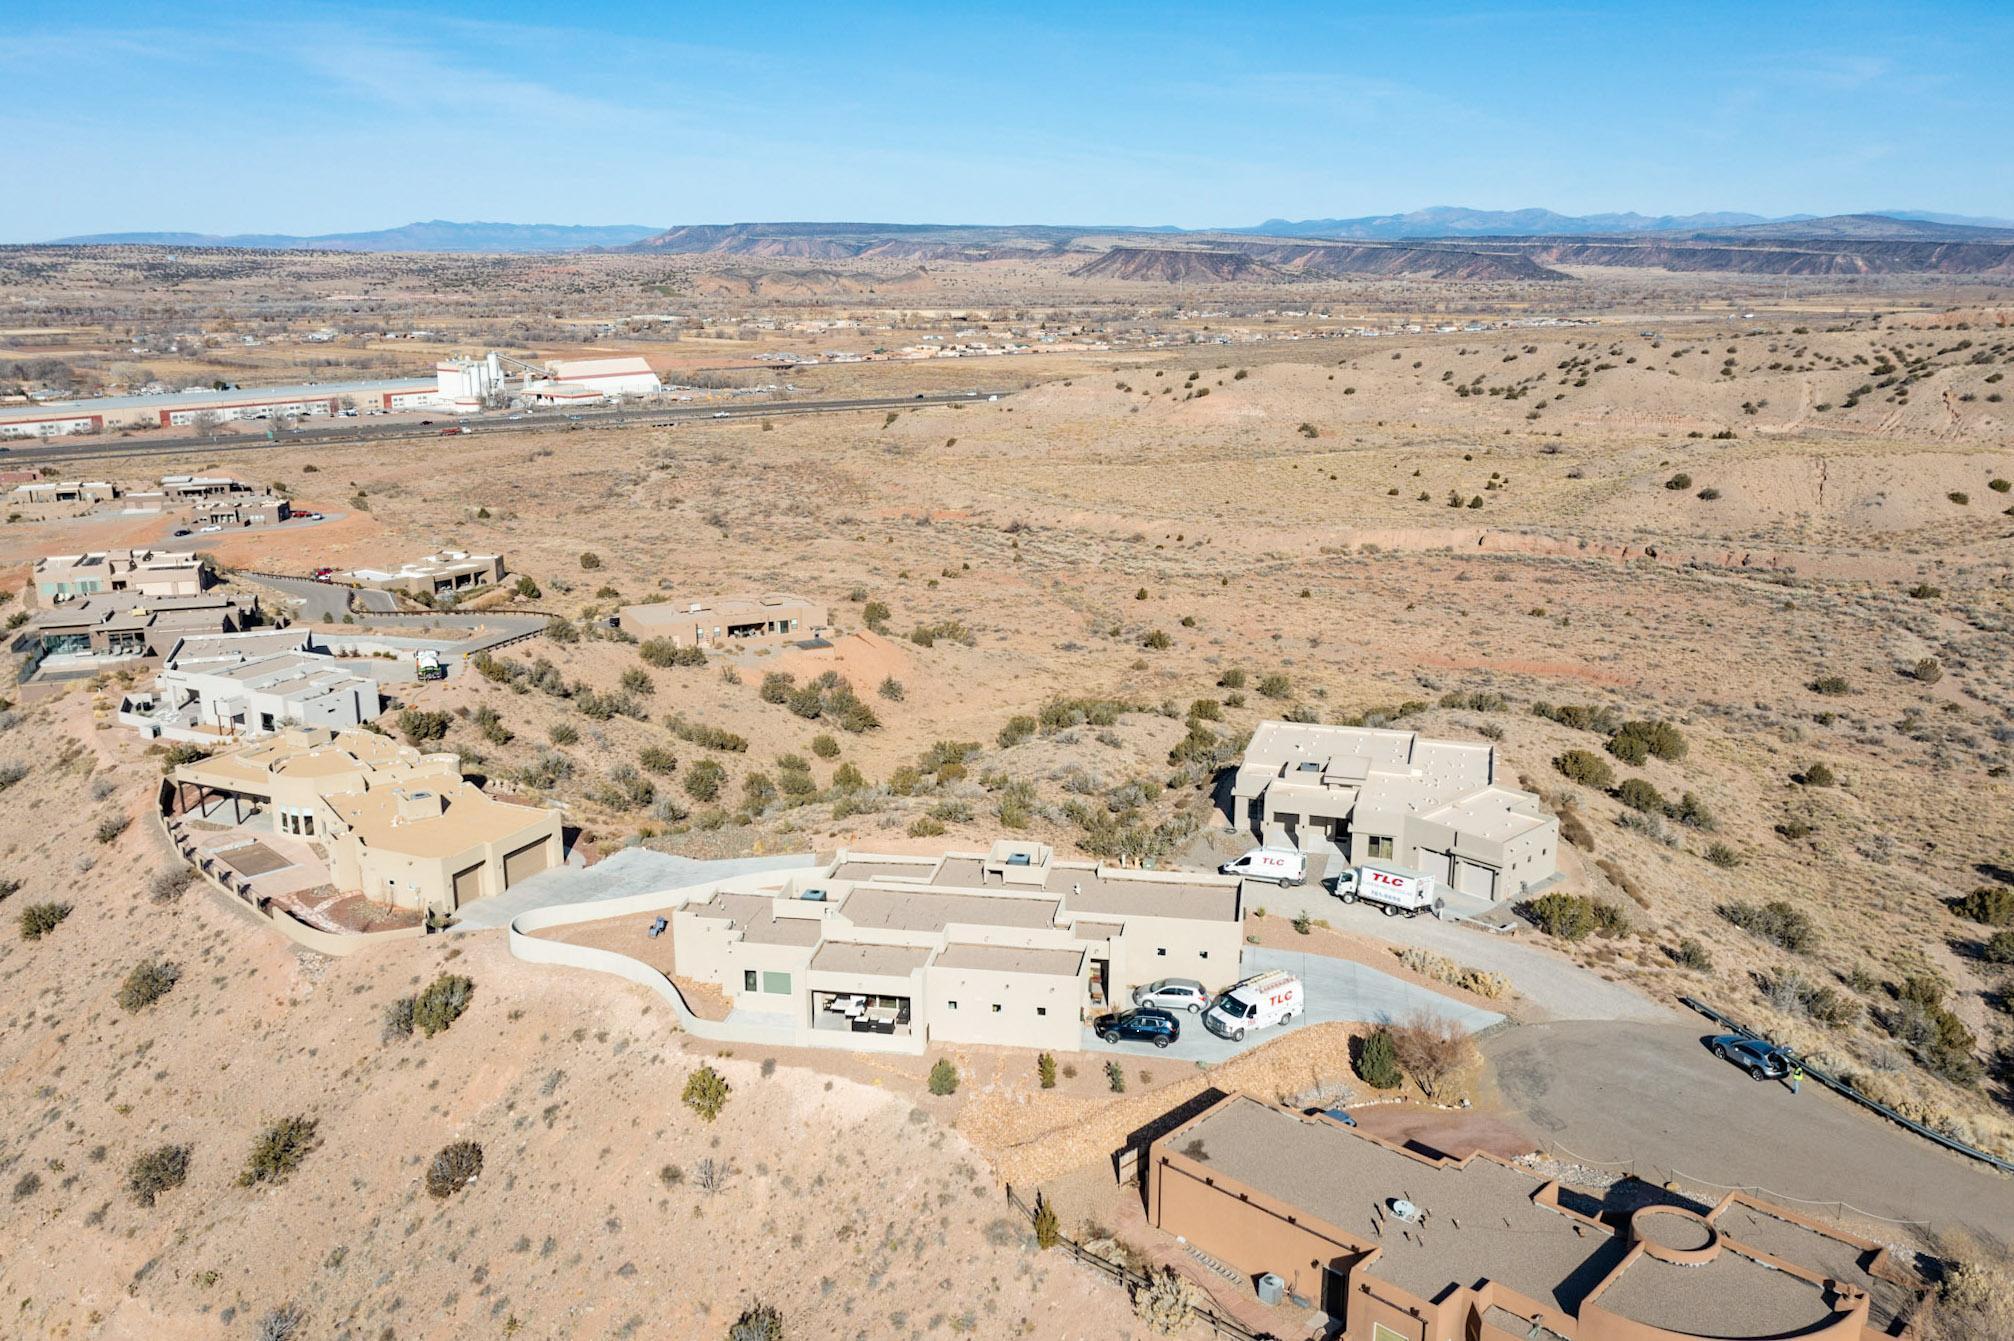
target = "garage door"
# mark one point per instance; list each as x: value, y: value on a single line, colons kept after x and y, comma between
x: 468, y: 885
x: 1480, y: 881
x: 524, y: 863
x: 1439, y: 865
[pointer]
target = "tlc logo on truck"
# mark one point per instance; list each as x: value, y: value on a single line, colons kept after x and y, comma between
x: 1279, y: 998
x: 1383, y: 878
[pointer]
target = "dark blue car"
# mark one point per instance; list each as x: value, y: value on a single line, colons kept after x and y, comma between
x: 1759, y: 1057
x: 1144, y: 1024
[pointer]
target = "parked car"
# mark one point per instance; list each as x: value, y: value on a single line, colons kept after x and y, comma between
x: 1268, y: 998
x: 181, y: 530
x: 1281, y: 865
x: 323, y: 575
x: 1173, y: 994
x: 451, y: 432
x: 206, y: 530
x: 720, y: 414
x: 1145, y: 1025
x: 426, y: 423
x: 1396, y: 892
x: 1759, y: 1057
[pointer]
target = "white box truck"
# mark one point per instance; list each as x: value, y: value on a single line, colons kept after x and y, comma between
x: 1397, y: 892
x: 1270, y: 998
x: 1281, y: 865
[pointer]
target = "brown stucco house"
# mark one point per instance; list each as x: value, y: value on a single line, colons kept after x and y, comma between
x: 1405, y: 1245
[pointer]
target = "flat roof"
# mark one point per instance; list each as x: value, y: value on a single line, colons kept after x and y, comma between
x: 196, y: 400
x: 1012, y: 959
x: 756, y: 915
x: 877, y: 961
x: 1481, y: 1224
x: 929, y: 910
x: 470, y: 818
x: 1727, y: 1295
x: 1085, y: 888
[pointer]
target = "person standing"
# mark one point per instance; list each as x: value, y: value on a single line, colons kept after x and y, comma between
x: 1796, y: 1076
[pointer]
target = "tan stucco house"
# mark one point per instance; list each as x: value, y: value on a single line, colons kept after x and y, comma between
x: 401, y: 827
x: 1011, y: 946
x: 724, y: 621
x: 1401, y: 1244
x: 1396, y: 798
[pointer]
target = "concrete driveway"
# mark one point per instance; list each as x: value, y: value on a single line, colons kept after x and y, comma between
x: 326, y: 602
x: 1557, y: 988
x: 1337, y: 989
x: 1651, y: 1099
x: 634, y: 870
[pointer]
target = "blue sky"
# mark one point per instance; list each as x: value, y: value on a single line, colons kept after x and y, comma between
x: 307, y: 119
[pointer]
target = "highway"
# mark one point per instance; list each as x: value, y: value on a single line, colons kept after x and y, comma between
x: 352, y: 432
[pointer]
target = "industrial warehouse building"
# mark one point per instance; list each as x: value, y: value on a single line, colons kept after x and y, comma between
x: 723, y: 621
x: 1395, y: 798
x: 401, y: 828
x: 1404, y: 1245
x: 1010, y: 947
x: 186, y: 409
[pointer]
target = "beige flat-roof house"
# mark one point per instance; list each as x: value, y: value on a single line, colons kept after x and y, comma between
x: 724, y: 621
x: 1396, y: 798
x: 143, y: 572
x: 45, y: 492
x: 79, y: 633
x: 241, y: 510
x: 1404, y: 1245
x: 1010, y: 946
x: 436, y: 574
x: 245, y: 685
x: 400, y: 827
x: 191, y: 488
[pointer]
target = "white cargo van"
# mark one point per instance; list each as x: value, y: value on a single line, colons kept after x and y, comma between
x: 1270, y: 998
x: 1281, y: 865
x: 1395, y: 891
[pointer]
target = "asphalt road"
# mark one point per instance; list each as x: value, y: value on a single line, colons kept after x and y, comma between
x: 1652, y: 1099
x: 352, y: 432
x: 327, y: 602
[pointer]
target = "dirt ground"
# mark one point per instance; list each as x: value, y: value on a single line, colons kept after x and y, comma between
x: 1785, y: 534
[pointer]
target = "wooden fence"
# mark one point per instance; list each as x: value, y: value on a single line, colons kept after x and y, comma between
x: 1132, y: 1280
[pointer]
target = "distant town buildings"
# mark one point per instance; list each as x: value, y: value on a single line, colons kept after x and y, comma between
x: 1395, y: 798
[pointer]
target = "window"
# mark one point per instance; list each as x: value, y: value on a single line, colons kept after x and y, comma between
x: 776, y: 982
x: 1041, y: 1010
x: 748, y: 980
x: 1161, y: 951
x: 996, y: 1007
x: 1380, y: 848
x: 1202, y: 954
x: 952, y: 1004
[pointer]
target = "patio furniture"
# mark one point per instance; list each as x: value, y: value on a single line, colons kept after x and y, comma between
x: 657, y: 928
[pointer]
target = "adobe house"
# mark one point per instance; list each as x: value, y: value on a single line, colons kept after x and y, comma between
x: 400, y: 827
x: 1395, y: 798
x: 435, y: 575
x: 1402, y: 1245
x: 768, y: 620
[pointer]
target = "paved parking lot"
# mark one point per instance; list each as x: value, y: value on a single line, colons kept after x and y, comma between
x: 1337, y: 989
x: 1650, y: 1097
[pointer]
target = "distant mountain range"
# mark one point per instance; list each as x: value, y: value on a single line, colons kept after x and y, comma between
x: 831, y: 241
x: 434, y: 235
x: 1448, y: 221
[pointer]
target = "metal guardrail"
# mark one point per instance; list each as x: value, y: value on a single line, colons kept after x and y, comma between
x: 1133, y: 1280
x: 1846, y: 1091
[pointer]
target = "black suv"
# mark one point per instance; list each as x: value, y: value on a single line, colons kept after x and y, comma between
x: 1153, y: 1026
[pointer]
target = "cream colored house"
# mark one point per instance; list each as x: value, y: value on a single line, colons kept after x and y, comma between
x: 1395, y: 798
x: 140, y: 572
x: 400, y: 827
x: 1010, y: 947
x: 436, y: 574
